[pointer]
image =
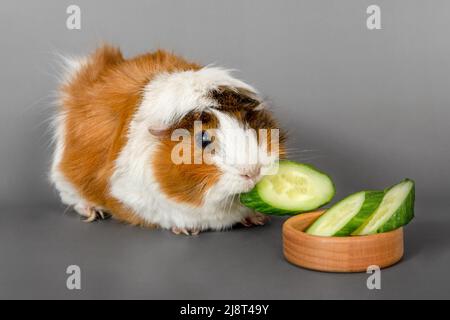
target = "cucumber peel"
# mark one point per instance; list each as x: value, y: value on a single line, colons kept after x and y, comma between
x: 295, y: 188
x: 347, y: 215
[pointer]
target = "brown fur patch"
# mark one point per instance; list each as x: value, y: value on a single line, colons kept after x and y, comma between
x: 234, y: 99
x: 98, y: 104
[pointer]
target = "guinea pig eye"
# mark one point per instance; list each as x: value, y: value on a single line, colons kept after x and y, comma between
x: 203, y: 139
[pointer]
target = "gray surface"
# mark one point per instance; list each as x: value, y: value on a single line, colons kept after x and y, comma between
x: 374, y: 107
x: 123, y: 262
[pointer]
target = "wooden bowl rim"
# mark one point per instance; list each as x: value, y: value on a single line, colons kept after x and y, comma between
x: 289, y: 226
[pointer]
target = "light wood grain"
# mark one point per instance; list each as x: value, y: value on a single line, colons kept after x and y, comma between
x: 338, y: 254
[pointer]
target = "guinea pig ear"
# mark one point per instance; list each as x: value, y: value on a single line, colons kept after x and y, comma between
x: 159, y: 132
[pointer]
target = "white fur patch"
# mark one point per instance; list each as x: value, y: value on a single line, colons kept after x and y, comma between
x: 71, y: 66
x: 170, y: 96
x: 238, y: 152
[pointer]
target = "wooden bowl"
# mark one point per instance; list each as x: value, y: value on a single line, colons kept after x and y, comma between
x: 338, y: 254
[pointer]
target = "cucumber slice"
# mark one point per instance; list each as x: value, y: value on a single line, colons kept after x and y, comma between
x: 347, y: 215
x: 395, y: 210
x: 295, y: 188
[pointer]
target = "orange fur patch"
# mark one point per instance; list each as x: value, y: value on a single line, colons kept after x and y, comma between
x: 98, y: 105
x: 185, y: 182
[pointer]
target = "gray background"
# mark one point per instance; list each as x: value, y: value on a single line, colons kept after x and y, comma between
x: 368, y: 107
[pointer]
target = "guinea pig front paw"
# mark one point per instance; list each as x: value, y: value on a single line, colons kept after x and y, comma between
x: 92, y: 214
x: 255, y: 219
x: 188, y: 232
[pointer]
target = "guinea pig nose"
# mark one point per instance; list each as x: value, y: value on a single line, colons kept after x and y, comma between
x: 251, y: 172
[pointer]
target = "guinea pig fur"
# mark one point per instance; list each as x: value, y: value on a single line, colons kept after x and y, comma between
x: 113, y: 141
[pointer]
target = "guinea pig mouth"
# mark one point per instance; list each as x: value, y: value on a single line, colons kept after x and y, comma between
x: 248, y: 184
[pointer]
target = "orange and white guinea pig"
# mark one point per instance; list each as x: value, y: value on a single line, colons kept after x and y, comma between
x: 113, y: 143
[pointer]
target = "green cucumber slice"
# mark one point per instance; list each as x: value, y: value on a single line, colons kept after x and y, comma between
x: 395, y: 210
x: 347, y: 215
x: 295, y: 188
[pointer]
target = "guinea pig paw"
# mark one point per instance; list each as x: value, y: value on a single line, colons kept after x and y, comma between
x: 92, y: 214
x: 256, y: 219
x: 188, y: 232
x: 102, y: 214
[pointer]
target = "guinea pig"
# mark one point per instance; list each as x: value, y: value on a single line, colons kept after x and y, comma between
x: 117, y: 142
